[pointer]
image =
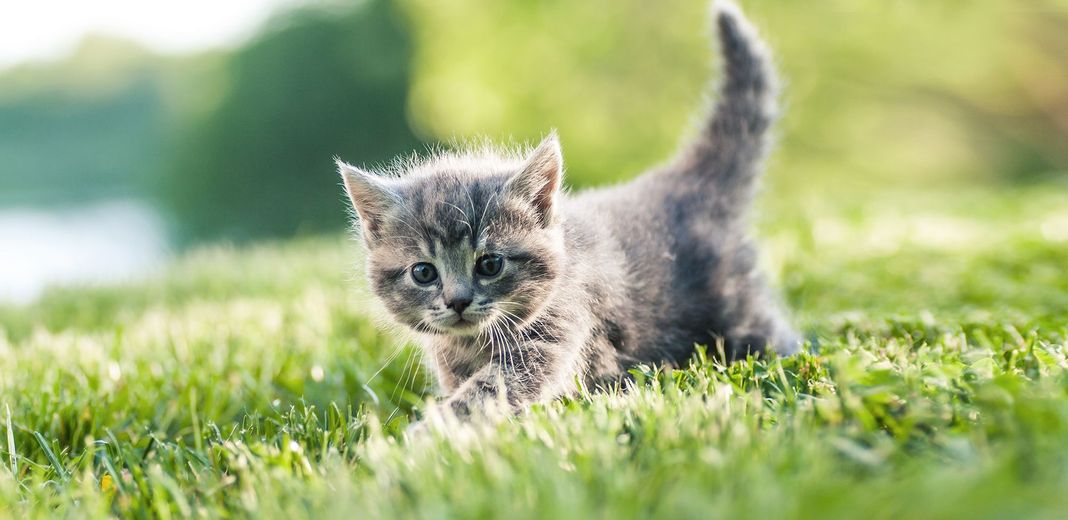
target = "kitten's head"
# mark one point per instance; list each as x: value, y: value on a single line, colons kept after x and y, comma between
x: 463, y: 242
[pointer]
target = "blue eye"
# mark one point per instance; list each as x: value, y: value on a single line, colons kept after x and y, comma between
x: 489, y: 265
x: 424, y: 273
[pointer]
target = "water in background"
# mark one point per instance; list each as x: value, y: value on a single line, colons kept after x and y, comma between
x: 100, y: 243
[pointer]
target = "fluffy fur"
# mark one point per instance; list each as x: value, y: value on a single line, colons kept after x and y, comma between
x: 591, y: 284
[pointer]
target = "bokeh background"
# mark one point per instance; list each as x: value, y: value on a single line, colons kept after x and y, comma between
x: 120, y: 149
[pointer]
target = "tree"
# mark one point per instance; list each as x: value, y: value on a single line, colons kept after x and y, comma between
x: 315, y: 84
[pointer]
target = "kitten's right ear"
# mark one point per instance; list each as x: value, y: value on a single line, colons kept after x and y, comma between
x: 371, y: 197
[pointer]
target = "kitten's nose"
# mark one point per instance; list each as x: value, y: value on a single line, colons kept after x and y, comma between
x: 459, y: 303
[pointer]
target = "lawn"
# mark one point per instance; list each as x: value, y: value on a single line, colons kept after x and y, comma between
x: 258, y: 382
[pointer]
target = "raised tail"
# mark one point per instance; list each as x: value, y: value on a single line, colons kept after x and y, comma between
x: 730, y: 147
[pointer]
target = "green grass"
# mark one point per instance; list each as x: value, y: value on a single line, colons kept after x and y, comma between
x: 254, y: 383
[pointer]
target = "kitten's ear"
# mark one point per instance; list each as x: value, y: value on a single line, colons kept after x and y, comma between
x: 539, y: 180
x: 371, y: 197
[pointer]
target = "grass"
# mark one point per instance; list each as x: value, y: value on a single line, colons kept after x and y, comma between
x: 253, y: 383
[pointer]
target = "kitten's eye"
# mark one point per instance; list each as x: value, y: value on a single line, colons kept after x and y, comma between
x: 489, y: 265
x: 424, y: 273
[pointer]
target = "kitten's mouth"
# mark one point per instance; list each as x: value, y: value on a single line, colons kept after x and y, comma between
x: 462, y: 323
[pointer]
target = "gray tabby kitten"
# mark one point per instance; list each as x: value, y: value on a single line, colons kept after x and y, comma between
x: 517, y: 289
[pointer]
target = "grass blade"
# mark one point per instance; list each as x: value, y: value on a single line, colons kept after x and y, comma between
x: 11, y: 445
x: 52, y: 459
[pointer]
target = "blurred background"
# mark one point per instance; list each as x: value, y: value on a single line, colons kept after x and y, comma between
x: 132, y: 131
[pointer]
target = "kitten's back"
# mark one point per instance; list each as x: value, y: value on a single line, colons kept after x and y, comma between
x: 684, y: 267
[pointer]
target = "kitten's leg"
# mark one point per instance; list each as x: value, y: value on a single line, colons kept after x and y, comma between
x: 525, y: 374
x: 758, y: 324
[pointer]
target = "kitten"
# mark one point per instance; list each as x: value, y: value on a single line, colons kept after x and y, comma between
x: 517, y: 289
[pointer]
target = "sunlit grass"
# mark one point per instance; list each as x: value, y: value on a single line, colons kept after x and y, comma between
x: 254, y: 382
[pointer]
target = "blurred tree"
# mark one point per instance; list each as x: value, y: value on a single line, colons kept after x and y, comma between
x: 81, y: 128
x: 316, y: 83
x: 905, y: 93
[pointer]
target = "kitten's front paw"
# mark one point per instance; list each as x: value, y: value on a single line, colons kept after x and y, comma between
x: 459, y: 407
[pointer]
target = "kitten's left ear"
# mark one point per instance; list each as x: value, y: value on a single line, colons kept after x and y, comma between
x: 539, y: 180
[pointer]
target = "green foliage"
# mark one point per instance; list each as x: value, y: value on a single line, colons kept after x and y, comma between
x: 318, y: 83
x: 619, y: 80
x: 909, y: 92
x: 252, y: 382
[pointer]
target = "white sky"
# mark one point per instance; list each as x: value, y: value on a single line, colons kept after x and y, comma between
x: 47, y: 29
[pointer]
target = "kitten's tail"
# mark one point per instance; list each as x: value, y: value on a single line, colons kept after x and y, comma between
x: 733, y: 141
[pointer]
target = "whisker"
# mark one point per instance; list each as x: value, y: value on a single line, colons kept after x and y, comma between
x: 511, y: 318
x: 389, y: 360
